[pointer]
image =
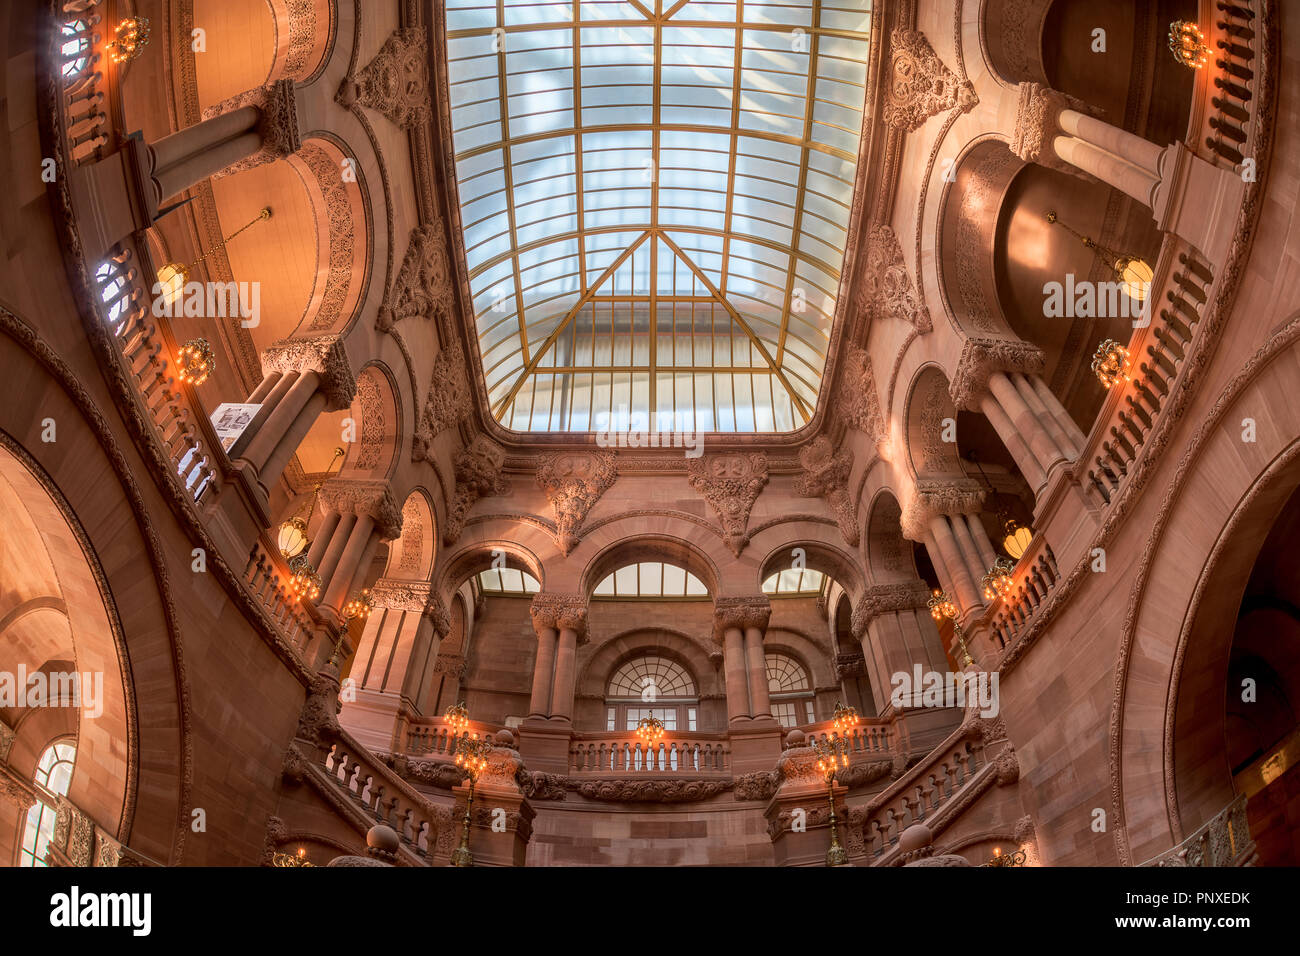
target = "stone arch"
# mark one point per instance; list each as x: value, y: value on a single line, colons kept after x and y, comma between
x: 1174, y: 651
x: 411, y: 556
x: 379, y: 423
x: 468, y: 560
x: 305, y: 31
x: 1011, y: 36
x: 815, y: 658
x: 820, y: 554
x: 617, y: 650
x: 890, y: 556
x: 929, y: 412
x: 649, y: 547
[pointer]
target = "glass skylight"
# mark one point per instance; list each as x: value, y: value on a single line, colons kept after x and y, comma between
x: 688, y: 161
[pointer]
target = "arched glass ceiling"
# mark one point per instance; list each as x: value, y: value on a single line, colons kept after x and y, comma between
x: 655, y: 196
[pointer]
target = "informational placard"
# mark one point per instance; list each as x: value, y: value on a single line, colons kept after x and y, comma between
x: 230, y: 419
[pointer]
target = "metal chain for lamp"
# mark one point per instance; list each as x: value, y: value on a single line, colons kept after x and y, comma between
x: 173, y: 276
x: 1133, y: 272
x: 292, y: 538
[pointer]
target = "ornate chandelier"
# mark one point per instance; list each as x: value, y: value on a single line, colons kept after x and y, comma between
x: 457, y: 718
x: 1187, y: 44
x: 1111, y: 363
x: 941, y: 607
x: 306, y: 581
x: 359, y: 607
x: 650, y: 729
x: 997, y: 582
x: 196, y: 362
x: 845, y: 718
x: 129, y: 39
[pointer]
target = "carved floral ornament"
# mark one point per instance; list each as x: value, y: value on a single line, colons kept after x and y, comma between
x: 416, y: 596
x: 478, y: 474
x: 277, y: 124
x: 560, y: 612
x: 826, y: 475
x: 857, y: 399
x: 1038, y: 115
x: 740, y: 613
x: 887, y: 289
x: 574, y: 482
x: 423, y: 287
x: 396, y: 81
x: 322, y: 354
x: 920, y: 86
x: 730, y: 484
x: 961, y: 496
x: 364, y: 497
x: 981, y: 358
x: 448, y: 401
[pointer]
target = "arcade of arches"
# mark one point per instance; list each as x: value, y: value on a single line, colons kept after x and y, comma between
x: 655, y: 401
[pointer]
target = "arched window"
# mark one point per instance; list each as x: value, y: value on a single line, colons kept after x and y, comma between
x: 508, y: 581
x: 790, y: 691
x: 651, y: 579
x: 53, y: 776
x: 75, y: 48
x: 651, y: 686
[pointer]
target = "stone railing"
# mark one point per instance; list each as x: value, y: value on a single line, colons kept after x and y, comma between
x: 624, y: 752
x: 80, y: 62
x: 1156, y: 353
x: 1228, y: 84
x: 142, y: 347
x: 1224, y: 841
x: 922, y: 791
x: 1035, y: 576
x: 382, y: 795
x: 870, y: 739
x: 434, y: 737
x: 267, y: 576
x: 78, y: 841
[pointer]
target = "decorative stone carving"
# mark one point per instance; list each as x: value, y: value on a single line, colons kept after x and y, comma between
x: 6, y: 741
x: 848, y: 666
x: 826, y: 475
x: 415, y: 596
x: 338, y: 199
x: 1038, y: 114
x: 277, y: 124
x: 423, y: 287
x: 560, y: 611
x: 857, y: 400
x: 920, y: 86
x: 886, y: 289
x: 1006, y: 767
x: 434, y: 773
x: 759, y: 785
x: 478, y: 474
x: 452, y: 665
x: 649, y: 791
x: 323, y: 354
x: 302, y: 37
x: 536, y: 785
x: 730, y: 484
x: 862, y: 774
x: 448, y: 401
x: 574, y: 481
x: 1025, y: 831
x: 319, y: 721
x: 885, y: 599
x: 741, y: 613
x: 958, y: 496
x: 396, y: 81
x: 980, y: 358
x: 16, y: 792
x: 364, y: 497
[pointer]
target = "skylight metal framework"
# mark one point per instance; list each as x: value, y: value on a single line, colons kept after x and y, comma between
x: 655, y: 196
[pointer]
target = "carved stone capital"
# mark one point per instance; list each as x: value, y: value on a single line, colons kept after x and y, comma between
x: 980, y: 358
x: 560, y: 612
x: 277, y: 124
x: 478, y: 474
x: 933, y: 497
x: 920, y: 86
x: 884, y: 599
x: 7, y: 736
x: 730, y: 484
x: 323, y: 354
x: 360, y: 496
x: 16, y: 791
x: 574, y: 482
x: 826, y: 475
x: 741, y: 613
x: 416, y: 596
x: 1038, y: 115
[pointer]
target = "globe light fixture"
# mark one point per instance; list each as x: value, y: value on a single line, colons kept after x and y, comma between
x: 1111, y: 363
x: 196, y: 362
x: 832, y: 755
x: 1133, y: 273
x: 1187, y: 44
x: 292, y: 538
x: 1017, y: 539
x: 173, y: 277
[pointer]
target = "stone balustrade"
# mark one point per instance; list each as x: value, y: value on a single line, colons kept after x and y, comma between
x: 870, y: 739
x: 80, y: 61
x: 267, y: 575
x: 1224, y: 840
x: 433, y: 735
x: 1229, y: 81
x: 1035, y: 576
x: 624, y: 752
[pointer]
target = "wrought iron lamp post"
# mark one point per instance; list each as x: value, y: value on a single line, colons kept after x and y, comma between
x: 471, y: 756
x: 1014, y: 858
x: 832, y: 754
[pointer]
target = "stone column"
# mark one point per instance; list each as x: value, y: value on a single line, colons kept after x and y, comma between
x: 543, y: 670
x: 739, y: 625
x: 407, y: 615
x: 564, y: 615
x: 308, y: 376
x: 255, y: 127
x: 964, y: 588
x: 936, y: 516
x: 368, y: 515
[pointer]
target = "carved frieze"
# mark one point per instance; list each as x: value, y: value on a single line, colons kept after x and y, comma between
x: 277, y: 124
x: 322, y: 354
x: 758, y: 785
x: 730, y: 484
x: 848, y: 666
x: 826, y: 475
x: 478, y: 474
x: 920, y: 86
x: 574, y: 481
x: 649, y: 791
x: 958, y: 496
x: 536, y: 785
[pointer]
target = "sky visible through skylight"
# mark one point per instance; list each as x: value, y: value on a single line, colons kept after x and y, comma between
x: 655, y: 197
